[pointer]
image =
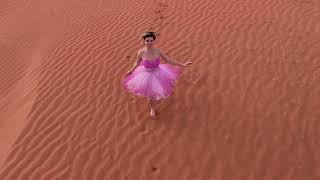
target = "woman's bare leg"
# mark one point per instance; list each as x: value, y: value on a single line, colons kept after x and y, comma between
x: 153, y: 108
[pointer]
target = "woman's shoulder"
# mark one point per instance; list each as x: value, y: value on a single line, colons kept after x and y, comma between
x: 141, y: 51
x: 158, y: 50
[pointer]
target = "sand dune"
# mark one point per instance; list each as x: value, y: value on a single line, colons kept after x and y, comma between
x: 247, y: 109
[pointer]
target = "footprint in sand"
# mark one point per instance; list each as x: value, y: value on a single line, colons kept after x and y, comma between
x: 154, y: 169
x: 161, y: 6
x: 128, y: 58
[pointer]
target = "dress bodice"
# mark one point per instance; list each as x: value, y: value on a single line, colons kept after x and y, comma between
x: 150, y: 63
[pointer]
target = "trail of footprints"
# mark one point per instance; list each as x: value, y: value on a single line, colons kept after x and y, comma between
x: 158, y: 20
x: 161, y: 7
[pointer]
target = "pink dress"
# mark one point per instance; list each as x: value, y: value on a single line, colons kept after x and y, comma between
x: 152, y: 79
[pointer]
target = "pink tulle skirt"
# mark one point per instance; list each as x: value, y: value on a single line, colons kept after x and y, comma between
x: 155, y: 82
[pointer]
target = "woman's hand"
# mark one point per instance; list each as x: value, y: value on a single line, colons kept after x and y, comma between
x: 187, y: 64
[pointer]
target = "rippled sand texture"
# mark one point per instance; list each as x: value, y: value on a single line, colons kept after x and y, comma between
x: 247, y: 109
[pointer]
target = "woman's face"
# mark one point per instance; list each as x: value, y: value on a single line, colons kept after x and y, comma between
x: 149, y: 41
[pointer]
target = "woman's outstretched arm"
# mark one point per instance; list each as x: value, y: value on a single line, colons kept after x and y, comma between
x: 170, y: 61
x: 136, y: 64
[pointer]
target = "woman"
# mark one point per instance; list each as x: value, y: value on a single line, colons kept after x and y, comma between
x: 148, y: 77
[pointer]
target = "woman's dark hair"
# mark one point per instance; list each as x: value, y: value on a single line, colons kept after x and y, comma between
x: 148, y: 34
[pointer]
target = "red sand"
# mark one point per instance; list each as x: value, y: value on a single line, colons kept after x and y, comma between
x: 247, y: 109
